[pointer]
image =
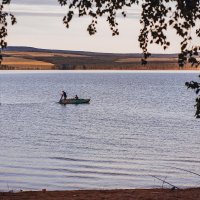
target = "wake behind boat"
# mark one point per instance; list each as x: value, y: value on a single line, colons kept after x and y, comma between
x: 74, y: 101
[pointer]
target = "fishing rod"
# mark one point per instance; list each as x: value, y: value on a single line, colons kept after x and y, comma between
x: 173, y: 186
x: 191, y: 172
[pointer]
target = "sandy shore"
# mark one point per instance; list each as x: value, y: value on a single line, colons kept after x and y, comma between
x: 130, y: 194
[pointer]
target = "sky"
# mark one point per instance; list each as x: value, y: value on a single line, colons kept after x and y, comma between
x: 39, y: 24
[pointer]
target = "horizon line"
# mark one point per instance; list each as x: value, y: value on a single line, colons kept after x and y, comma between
x: 84, y: 51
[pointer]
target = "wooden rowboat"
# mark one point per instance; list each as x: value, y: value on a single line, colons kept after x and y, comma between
x: 74, y: 101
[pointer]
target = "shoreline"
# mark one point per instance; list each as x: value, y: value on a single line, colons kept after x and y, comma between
x: 95, y: 71
x: 114, y: 194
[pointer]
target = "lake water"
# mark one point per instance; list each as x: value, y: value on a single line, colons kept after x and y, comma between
x: 137, y: 125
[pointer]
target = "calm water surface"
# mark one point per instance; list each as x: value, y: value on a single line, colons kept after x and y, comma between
x: 137, y: 125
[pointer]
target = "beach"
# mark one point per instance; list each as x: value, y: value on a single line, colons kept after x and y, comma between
x: 121, y: 194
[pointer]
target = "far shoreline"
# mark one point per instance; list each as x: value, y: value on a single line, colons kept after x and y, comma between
x: 95, y: 71
x: 27, y: 58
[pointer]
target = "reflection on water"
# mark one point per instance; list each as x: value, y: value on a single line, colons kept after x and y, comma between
x: 137, y: 125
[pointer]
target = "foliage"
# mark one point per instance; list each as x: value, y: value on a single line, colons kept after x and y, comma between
x: 4, y: 24
x: 156, y: 17
x: 196, y: 87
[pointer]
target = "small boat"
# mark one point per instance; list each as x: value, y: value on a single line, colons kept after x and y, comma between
x: 74, y: 101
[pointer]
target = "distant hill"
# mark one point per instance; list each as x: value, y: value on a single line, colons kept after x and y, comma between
x: 20, y: 57
x: 33, y: 49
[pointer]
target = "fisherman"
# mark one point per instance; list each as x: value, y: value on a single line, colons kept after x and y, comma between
x: 64, y: 95
x: 76, y: 97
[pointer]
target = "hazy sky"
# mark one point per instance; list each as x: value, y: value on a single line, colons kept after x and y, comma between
x: 39, y: 24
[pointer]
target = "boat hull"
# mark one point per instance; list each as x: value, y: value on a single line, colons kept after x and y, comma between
x: 74, y: 101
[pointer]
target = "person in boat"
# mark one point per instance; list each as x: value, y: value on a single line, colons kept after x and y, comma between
x: 76, y: 97
x: 63, y: 95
